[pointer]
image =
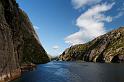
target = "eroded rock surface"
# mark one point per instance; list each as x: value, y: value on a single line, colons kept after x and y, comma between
x: 18, y: 41
x: 105, y: 48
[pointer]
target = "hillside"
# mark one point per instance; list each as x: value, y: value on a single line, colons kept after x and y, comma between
x: 106, y: 48
x: 19, y: 43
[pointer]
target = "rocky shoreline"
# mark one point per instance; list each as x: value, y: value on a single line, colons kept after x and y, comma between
x: 17, y: 72
x: 10, y: 76
x: 28, y: 67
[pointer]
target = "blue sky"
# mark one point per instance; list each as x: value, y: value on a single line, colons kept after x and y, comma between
x: 62, y: 23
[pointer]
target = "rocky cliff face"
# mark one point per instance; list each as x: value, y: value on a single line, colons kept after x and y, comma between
x: 105, y: 48
x: 18, y: 41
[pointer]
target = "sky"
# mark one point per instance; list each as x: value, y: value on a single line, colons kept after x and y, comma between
x: 63, y: 23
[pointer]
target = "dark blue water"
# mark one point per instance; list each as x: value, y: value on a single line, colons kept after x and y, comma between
x: 75, y: 72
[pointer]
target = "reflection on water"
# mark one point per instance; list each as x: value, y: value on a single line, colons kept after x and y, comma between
x: 75, y: 72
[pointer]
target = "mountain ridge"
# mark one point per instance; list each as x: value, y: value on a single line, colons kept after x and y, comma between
x: 105, y: 48
x: 19, y: 44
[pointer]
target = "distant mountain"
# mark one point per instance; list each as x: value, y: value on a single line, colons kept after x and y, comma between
x: 106, y: 48
x: 19, y: 44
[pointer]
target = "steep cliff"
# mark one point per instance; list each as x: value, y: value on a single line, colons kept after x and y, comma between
x: 18, y: 41
x: 105, y: 48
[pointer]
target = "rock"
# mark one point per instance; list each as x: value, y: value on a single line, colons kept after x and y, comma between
x: 19, y: 42
x: 28, y: 67
x: 106, y: 48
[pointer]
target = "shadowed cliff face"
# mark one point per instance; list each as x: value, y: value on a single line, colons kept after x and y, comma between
x: 18, y: 41
x: 105, y: 48
x: 32, y: 49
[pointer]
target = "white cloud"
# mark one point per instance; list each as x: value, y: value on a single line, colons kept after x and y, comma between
x: 91, y: 24
x: 81, y: 3
x: 36, y: 27
x: 121, y: 13
x: 55, y: 47
x: 121, y: 9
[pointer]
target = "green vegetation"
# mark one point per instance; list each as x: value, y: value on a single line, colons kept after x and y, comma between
x: 32, y: 50
x: 102, y: 49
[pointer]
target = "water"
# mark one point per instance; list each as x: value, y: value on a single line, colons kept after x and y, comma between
x: 75, y: 72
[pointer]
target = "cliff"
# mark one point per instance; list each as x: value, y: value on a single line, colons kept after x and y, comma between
x: 105, y: 48
x: 19, y: 43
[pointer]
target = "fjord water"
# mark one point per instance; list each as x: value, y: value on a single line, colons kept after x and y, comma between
x: 75, y: 72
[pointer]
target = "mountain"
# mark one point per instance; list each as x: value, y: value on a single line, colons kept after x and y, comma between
x: 106, y: 48
x: 19, y: 43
